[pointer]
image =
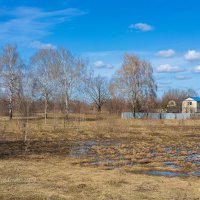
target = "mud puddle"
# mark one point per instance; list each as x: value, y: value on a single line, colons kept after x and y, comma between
x: 111, y: 154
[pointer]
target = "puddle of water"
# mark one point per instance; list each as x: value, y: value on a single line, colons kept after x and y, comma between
x: 197, y: 173
x: 83, y: 149
x: 111, y: 158
x: 170, y: 164
x: 90, y: 143
x: 167, y: 173
x: 107, y: 161
x: 197, y: 163
x: 193, y: 157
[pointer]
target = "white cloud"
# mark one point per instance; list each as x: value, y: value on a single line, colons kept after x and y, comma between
x: 142, y: 27
x: 192, y: 55
x: 167, y: 68
x: 39, y: 45
x: 32, y: 23
x: 182, y: 77
x: 166, y: 53
x: 101, y: 65
x: 196, y: 69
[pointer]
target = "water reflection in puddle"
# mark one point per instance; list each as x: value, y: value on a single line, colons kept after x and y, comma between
x: 197, y: 173
x: 111, y: 154
x: 170, y: 164
x: 173, y: 174
x: 115, y: 159
x: 197, y: 163
x: 167, y: 173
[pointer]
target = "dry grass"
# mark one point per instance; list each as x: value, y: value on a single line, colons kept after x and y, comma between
x: 44, y: 177
x: 101, y: 126
x: 41, y: 176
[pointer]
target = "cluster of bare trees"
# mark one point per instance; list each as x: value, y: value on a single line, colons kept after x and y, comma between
x: 49, y: 74
x: 134, y: 81
x: 58, y: 76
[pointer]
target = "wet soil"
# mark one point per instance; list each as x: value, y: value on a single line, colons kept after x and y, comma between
x: 156, y: 160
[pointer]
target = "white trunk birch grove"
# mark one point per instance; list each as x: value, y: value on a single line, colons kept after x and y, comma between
x: 69, y: 70
x: 43, y: 61
x: 11, y: 65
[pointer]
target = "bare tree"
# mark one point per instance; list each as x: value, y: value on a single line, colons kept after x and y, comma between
x: 11, y: 65
x: 134, y: 81
x: 97, y: 89
x: 43, y: 61
x: 69, y: 71
x: 29, y: 86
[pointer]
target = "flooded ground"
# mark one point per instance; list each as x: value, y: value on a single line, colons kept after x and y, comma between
x: 146, y: 158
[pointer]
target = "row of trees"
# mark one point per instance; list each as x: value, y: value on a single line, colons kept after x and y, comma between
x: 56, y: 76
x: 48, y: 75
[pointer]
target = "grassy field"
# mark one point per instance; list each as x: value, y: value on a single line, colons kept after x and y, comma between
x: 99, y: 157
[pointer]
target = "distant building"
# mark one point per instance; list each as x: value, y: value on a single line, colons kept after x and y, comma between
x: 172, y: 106
x: 191, y: 105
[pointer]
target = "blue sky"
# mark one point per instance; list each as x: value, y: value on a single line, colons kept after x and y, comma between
x: 165, y: 32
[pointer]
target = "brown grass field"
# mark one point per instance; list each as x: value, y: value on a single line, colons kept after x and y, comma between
x: 99, y: 157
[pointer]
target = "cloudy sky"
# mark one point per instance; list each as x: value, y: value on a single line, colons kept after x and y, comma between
x: 165, y: 32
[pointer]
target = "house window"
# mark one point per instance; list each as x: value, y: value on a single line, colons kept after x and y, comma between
x: 189, y: 103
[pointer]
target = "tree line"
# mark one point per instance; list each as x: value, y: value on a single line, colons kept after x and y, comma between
x: 56, y: 78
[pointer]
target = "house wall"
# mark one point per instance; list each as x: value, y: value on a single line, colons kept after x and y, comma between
x: 186, y: 108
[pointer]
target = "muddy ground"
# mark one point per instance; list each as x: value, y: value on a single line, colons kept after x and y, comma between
x: 157, y: 160
x: 100, y: 159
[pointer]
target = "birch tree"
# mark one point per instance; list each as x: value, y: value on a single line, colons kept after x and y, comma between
x: 43, y: 62
x: 69, y: 71
x: 11, y: 65
x: 134, y: 81
x: 29, y: 87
